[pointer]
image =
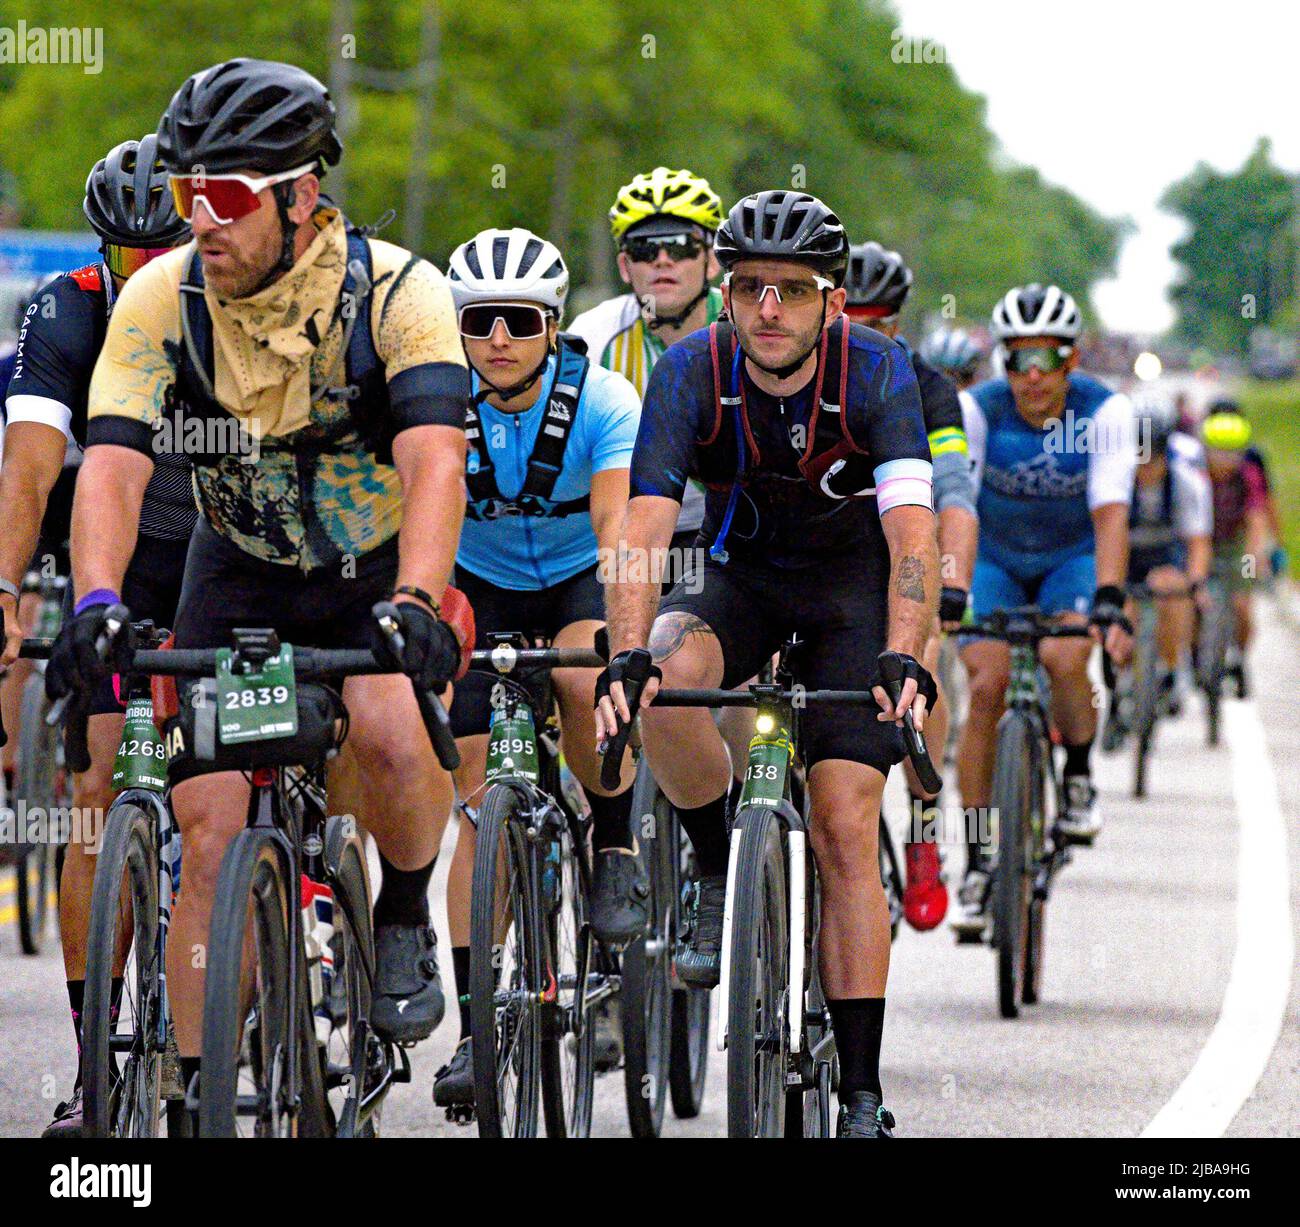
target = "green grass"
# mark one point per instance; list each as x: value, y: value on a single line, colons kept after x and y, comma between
x: 1274, y: 412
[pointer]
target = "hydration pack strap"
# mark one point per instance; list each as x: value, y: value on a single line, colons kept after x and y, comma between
x: 547, y: 459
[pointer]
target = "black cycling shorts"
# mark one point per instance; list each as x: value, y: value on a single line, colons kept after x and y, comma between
x: 542, y: 612
x: 151, y: 590
x: 225, y: 587
x: 841, y: 624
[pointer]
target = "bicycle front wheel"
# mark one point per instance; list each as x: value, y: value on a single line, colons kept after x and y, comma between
x: 121, y: 1053
x: 1013, y: 880
x: 757, y: 1037
x: 261, y: 1068
x: 647, y: 988
x: 505, y: 976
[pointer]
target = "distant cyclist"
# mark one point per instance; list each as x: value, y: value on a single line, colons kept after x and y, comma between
x: 1170, y: 523
x: 1241, y: 526
x: 1053, y: 455
x: 550, y: 442
x: 954, y: 352
x: 878, y: 282
x: 129, y: 205
x: 663, y: 223
x: 1277, y: 558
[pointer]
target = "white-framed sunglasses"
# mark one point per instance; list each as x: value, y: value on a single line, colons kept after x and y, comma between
x: 226, y: 197
x: 796, y: 291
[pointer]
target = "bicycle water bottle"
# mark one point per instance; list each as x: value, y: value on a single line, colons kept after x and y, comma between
x: 317, y: 933
x: 572, y: 790
x: 551, y: 871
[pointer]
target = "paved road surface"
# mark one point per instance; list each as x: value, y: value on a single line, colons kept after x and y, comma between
x: 1141, y: 942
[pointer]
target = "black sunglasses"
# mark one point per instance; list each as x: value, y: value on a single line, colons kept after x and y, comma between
x: 523, y: 321
x: 678, y: 246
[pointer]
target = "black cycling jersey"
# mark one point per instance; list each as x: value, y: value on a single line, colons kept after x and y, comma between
x: 780, y: 518
x: 939, y: 401
x: 62, y: 334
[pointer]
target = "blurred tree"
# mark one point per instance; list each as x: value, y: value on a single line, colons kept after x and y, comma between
x: 460, y: 120
x: 1239, y: 257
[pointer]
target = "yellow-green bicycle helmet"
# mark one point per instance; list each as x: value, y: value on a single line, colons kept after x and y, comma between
x: 664, y: 192
x: 1226, y: 432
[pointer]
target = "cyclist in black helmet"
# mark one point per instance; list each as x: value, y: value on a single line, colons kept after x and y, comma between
x: 129, y: 206
x: 338, y: 356
x: 825, y: 529
x: 878, y: 284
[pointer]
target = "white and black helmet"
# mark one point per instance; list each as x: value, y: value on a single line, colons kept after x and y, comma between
x: 504, y: 265
x: 1037, y: 311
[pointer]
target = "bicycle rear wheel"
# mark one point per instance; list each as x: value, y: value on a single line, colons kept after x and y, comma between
x: 757, y: 1036
x: 505, y: 975
x: 1146, y: 696
x: 121, y: 1058
x: 1013, y: 880
x: 891, y: 877
x: 568, y: 1052
x: 688, y: 1059
x: 250, y: 1055
x: 353, y: 1055
x: 647, y: 987
x: 1216, y: 630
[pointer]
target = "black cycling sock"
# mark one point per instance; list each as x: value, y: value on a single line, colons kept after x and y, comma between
x: 858, y: 1023
x: 1076, y: 758
x: 403, y: 895
x: 610, y: 826
x: 76, y: 1001
x: 707, y: 829
x: 460, y: 969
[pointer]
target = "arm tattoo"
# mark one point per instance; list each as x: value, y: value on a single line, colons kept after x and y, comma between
x: 670, y: 633
x: 911, y: 579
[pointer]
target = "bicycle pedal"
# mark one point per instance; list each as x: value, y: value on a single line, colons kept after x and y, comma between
x: 461, y: 1113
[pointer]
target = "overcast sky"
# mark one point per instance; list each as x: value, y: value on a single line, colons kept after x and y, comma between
x: 1116, y: 99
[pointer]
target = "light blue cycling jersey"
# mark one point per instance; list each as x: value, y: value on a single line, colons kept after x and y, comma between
x: 528, y: 553
x: 1038, y: 487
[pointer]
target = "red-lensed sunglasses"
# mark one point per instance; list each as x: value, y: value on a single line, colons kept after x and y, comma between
x: 226, y: 197
x: 124, y: 261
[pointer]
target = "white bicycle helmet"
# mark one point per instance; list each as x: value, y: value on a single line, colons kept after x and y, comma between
x: 505, y: 265
x: 1037, y: 311
x: 1155, y: 407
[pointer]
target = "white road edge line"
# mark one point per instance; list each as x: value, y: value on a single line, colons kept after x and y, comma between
x: 1259, y: 983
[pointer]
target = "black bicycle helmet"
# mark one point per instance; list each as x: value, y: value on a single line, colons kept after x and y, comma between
x: 877, y: 278
x: 784, y: 225
x: 257, y: 114
x: 128, y: 201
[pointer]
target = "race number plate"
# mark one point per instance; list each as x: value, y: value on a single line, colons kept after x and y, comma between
x: 256, y: 705
x: 512, y: 746
x: 141, y: 761
x: 769, y: 760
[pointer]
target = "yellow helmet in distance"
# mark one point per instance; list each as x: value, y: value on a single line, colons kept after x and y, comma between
x: 665, y: 193
x: 1226, y: 432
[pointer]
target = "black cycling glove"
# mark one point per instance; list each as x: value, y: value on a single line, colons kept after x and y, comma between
x: 911, y: 667
x: 1108, y: 608
x: 633, y: 668
x: 75, y: 665
x: 952, y: 604
x: 430, y: 652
